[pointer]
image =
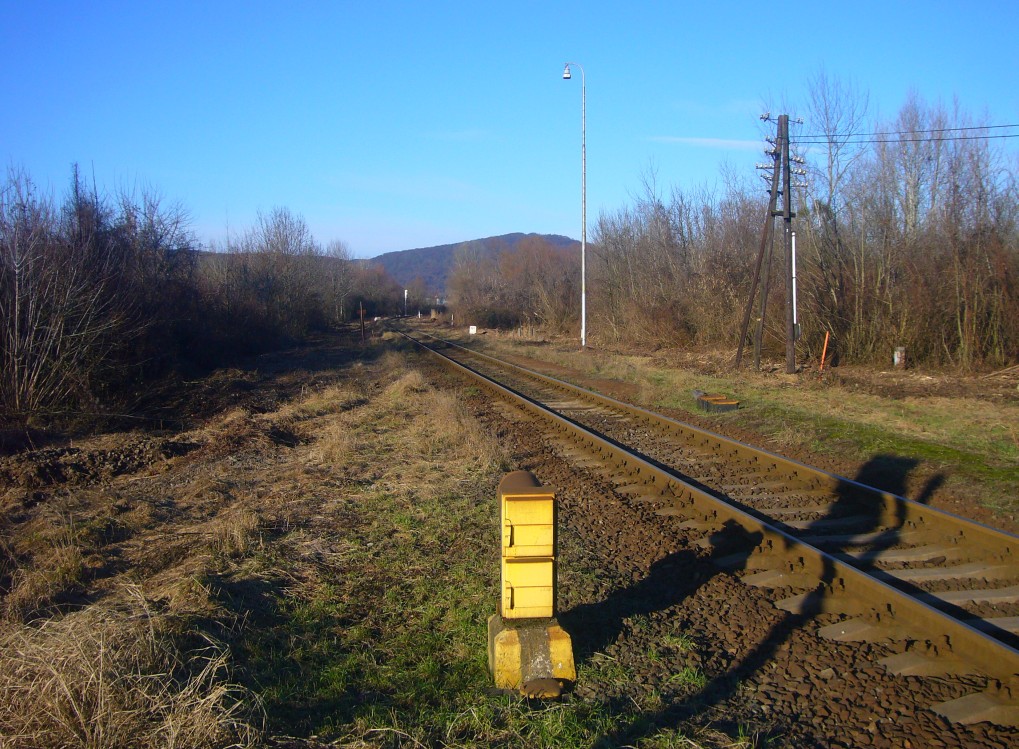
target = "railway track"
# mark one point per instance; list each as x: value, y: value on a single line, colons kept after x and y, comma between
x: 942, y: 590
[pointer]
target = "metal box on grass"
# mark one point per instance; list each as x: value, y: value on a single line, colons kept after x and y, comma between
x: 528, y: 515
x: 527, y: 588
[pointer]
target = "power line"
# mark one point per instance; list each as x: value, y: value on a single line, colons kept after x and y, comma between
x: 827, y: 141
x: 911, y: 132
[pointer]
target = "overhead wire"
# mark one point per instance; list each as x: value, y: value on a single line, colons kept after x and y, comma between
x: 929, y: 135
x: 914, y: 132
x: 826, y: 141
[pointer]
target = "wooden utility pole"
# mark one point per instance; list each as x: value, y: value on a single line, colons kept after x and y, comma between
x: 766, y: 234
x: 780, y: 166
x: 787, y: 219
x: 762, y: 311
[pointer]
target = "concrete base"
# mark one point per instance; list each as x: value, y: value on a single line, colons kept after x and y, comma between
x: 533, y: 656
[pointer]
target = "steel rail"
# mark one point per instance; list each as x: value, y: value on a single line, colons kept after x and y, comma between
x: 905, y: 511
x: 841, y: 588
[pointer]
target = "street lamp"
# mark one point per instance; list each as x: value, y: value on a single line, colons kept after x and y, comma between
x: 583, y: 200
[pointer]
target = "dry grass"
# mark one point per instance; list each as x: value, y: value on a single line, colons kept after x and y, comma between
x: 57, y: 567
x: 113, y: 676
x: 317, y: 403
x: 332, y: 445
x: 246, y: 507
x: 399, y: 395
x: 449, y: 429
x: 421, y: 431
x: 236, y: 533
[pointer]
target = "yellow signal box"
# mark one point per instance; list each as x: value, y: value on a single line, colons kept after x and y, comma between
x: 527, y: 649
x: 528, y: 547
x: 528, y: 519
x: 527, y: 590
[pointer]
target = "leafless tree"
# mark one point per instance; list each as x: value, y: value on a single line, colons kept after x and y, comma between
x: 338, y: 277
x: 58, y: 310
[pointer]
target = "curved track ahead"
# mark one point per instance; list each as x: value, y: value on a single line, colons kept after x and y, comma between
x: 893, y: 569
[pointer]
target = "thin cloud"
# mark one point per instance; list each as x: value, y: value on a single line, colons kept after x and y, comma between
x: 718, y: 143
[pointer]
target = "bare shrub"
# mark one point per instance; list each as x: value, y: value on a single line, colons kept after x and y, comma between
x: 112, y: 676
x: 57, y: 310
x: 91, y: 294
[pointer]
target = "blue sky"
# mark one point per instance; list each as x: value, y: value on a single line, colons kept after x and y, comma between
x: 393, y: 125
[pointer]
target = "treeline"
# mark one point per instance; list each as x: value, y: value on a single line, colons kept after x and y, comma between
x: 534, y: 283
x: 100, y: 295
x: 907, y: 235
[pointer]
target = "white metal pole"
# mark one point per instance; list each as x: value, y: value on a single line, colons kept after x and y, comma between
x: 794, y: 282
x: 583, y: 209
x: 583, y: 200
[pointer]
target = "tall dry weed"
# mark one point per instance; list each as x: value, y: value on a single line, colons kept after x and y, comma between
x: 56, y: 568
x: 333, y: 444
x: 399, y: 394
x: 114, y: 676
x: 7, y: 561
x: 452, y: 431
x: 236, y: 533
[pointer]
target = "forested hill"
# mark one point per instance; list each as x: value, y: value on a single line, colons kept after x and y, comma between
x: 434, y: 264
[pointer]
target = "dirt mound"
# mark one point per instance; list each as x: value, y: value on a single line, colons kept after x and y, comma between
x: 87, y: 466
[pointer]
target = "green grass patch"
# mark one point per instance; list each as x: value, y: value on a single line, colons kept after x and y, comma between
x: 830, y: 435
x: 396, y: 645
x: 688, y: 676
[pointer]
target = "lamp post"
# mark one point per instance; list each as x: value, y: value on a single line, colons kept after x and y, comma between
x: 583, y: 199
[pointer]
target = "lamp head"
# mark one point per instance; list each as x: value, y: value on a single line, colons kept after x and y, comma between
x: 566, y: 72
